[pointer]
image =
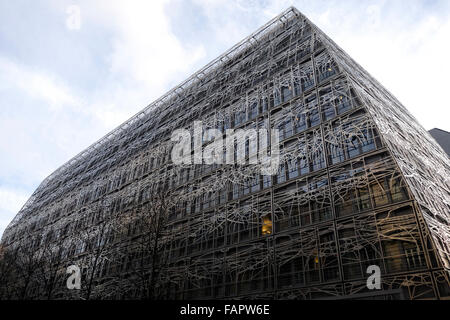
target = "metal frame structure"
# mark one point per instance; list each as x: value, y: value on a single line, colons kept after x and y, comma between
x: 360, y: 183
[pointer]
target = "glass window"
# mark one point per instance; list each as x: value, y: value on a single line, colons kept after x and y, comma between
x: 363, y: 199
x: 328, y: 111
x: 198, y: 203
x: 336, y: 153
x: 297, y: 86
x: 253, y: 110
x: 266, y: 225
x: 236, y: 190
x: 379, y: 193
x: 300, y: 122
x: 255, y: 184
x: 353, y: 147
x: 223, y: 196
x: 398, y: 189
x: 368, y: 143
x: 281, y: 177
x: 288, y: 128
x: 267, y: 181
x: 286, y: 93
x: 246, y: 187
x: 304, y: 166
x: 313, y: 112
x: 264, y: 104
x: 308, y: 82
x: 317, y: 160
x: 293, y: 168
x: 343, y: 104
x: 276, y: 97
x: 314, y: 118
x: 345, y: 203
x: 280, y: 128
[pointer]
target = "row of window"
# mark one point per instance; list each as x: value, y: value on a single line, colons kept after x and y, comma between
x: 309, y: 258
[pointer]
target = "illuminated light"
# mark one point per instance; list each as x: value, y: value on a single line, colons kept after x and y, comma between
x: 316, y: 260
x: 267, y: 226
x: 329, y: 69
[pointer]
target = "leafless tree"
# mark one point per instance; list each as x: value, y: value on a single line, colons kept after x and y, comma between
x: 145, y: 251
x: 7, y: 272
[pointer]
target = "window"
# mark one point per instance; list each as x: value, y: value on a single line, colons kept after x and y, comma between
x: 368, y: 143
x: 297, y: 86
x: 363, y: 199
x: 267, y: 181
x: 313, y: 112
x: 353, y: 147
x: 308, y: 82
x: 255, y: 184
x: 303, y: 161
x: 198, y: 204
x: 236, y: 190
x: 300, y: 122
x: 264, y: 104
x: 326, y: 101
x: 240, y: 117
x: 207, y: 201
x: 398, y: 189
x: 325, y: 67
x: 286, y: 92
x: 288, y: 128
x: 414, y: 259
x: 343, y: 104
x: 327, y: 72
x: 276, y: 97
x: 293, y: 168
x: 280, y: 128
x: 281, y: 177
x: 317, y: 160
x: 314, y: 118
x: 227, y: 122
x: 328, y: 111
x: 253, y: 110
x: 345, y: 204
x: 335, y: 150
x: 266, y: 226
x: 246, y: 187
x: 379, y: 193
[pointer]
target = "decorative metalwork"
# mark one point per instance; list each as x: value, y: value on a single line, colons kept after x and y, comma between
x: 360, y: 183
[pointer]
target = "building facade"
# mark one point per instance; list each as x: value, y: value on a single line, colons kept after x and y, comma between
x: 360, y: 184
x: 442, y: 138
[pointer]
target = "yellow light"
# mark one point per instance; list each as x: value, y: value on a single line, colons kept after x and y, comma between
x: 316, y: 260
x: 329, y: 69
x: 266, y: 226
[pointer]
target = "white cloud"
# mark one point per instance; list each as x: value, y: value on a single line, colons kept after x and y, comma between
x: 11, y: 202
x: 144, y: 48
x: 73, y: 21
x: 36, y: 84
x: 410, y: 61
x: 145, y: 60
x: 60, y: 119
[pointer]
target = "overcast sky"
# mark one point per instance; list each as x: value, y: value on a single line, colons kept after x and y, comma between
x: 65, y: 82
